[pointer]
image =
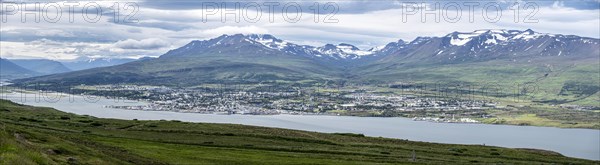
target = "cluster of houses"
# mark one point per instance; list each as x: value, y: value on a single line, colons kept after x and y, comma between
x: 297, y: 101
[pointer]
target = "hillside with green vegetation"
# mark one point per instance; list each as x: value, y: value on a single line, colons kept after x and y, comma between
x: 544, y: 80
x: 32, y: 135
x: 229, y: 58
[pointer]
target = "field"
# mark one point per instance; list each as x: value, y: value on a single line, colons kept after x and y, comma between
x: 32, y: 135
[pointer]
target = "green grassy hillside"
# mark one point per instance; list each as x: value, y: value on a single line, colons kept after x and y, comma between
x: 31, y: 135
x: 546, y: 80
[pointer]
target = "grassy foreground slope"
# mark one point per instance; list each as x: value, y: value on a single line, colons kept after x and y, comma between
x: 32, y: 135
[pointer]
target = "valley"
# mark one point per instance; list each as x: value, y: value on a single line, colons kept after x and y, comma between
x: 486, y: 76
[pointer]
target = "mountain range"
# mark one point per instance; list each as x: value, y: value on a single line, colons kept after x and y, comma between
x: 500, y: 56
x: 10, y: 70
x: 485, y: 45
x: 42, y: 66
x: 88, y: 63
x: 24, y: 68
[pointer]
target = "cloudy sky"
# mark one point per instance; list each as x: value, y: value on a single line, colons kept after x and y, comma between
x: 131, y: 29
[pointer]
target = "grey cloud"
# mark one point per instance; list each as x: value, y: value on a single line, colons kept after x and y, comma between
x: 172, y: 26
x: 344, y: 6
x: 73, y: 35
x: 152, y: 43
x: 352, y: 7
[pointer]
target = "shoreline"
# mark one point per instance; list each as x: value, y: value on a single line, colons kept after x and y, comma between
x: 306, y: 123
x: 524, y: 119
x: 146, y: 103
x: 420, y: 119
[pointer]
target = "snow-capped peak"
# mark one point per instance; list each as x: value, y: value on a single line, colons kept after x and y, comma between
x: 529, y: 34
x: 343, y: 50
x: 377, y: 48
x: 268, y: 41
x: 475, y: 43
x: 495, y: 35
x: 351, y: 49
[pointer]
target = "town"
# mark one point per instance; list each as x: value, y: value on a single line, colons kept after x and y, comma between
x: 269, y: 100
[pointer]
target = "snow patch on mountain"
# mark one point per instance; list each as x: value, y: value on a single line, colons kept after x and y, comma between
x: 473, y: 44
x: 341, y: 51
x: 493, y: 36
x: 377, y: 48
x: 269, y: 41
x: 530, y: 34
x: 460, y: 39
x: 352, y: 50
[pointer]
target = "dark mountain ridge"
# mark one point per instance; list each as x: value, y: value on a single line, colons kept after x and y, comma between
x: 42, y: 66
x: 10, y: 70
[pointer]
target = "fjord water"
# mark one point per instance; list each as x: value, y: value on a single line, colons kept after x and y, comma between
x: 580, y: 143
